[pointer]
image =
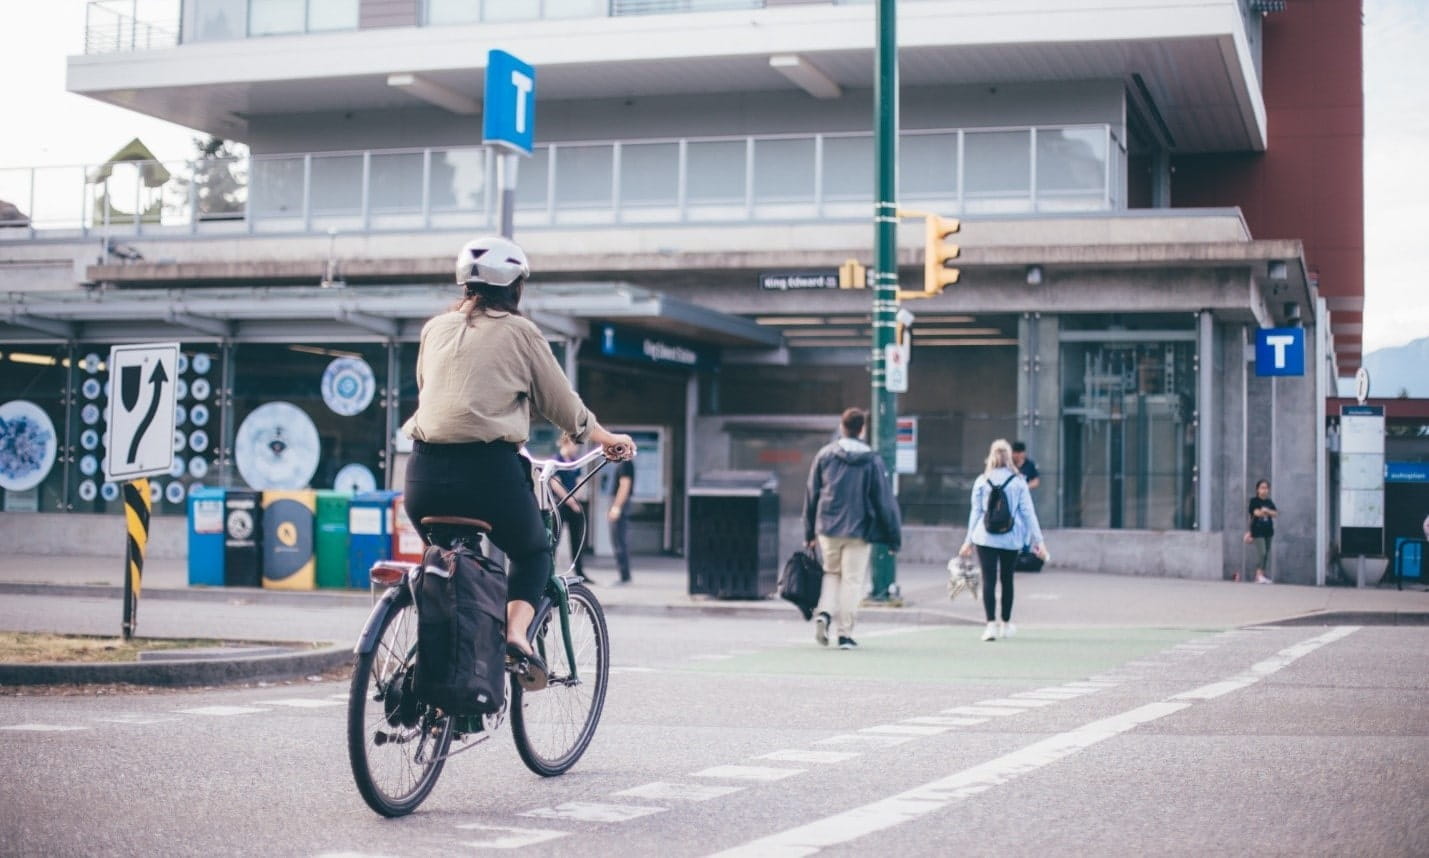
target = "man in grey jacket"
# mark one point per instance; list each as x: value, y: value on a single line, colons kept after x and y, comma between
x: 848, y: 505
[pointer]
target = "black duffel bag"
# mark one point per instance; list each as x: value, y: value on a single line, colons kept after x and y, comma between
x: 461, y: 631
x: 802, y: 581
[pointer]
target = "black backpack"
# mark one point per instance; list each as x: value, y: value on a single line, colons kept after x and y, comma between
x: 997, y: 518
x: 461, y: 631
x: 802, y: 582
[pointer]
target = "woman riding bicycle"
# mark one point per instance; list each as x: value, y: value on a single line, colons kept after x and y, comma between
x: 480, y: 367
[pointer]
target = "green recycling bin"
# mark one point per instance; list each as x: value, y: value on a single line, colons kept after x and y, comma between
x: 332, y: 538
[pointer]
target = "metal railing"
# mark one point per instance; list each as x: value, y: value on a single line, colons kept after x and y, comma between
x: 117, y: 26
x: 765, y: 178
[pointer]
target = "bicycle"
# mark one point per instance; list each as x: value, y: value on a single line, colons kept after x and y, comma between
x: 398, y: 745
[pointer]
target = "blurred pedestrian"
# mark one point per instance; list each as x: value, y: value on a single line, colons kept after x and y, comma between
x: 1002, y: 520
x: 1262, y: 513
x: 1025, y: 466
x: 617, y: 515
x: 573, y: 504
x: 848, y: 505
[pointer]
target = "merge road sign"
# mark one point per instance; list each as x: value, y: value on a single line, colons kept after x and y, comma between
x: 141, y: 410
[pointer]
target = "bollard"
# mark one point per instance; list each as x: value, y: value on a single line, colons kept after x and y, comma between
x: 136, y: 518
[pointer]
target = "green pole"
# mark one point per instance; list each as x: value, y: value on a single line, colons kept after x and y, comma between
x: 885, y: 268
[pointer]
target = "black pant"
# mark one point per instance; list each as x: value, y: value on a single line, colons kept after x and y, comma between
x: 574, y: 521
x: 993, y: 562
x: 491, y: 482
x: 619, y: 534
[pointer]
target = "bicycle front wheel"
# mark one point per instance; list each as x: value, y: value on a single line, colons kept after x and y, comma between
x: 553, y: 726
x: 397, y: 745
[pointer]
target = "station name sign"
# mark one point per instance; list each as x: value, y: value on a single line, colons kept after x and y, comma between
x: 636, y: 345
x: 784, y: 281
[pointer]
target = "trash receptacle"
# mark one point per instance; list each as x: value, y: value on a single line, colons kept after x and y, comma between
x: 242, y: 522
x: 206, y: 537
x: 331, y: 537
x: 734, y: 534
x: 369, y: 528
x: 407, y: 544
x: 288, y: 559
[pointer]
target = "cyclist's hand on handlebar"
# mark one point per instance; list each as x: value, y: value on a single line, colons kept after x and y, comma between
x: 618, y: 446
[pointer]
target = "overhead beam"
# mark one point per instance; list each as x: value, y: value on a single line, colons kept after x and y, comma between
x: 434, y: 93
x: 806, y: 75
x: 368, y: 322
x: 53, y: 327
x: 202, y: 324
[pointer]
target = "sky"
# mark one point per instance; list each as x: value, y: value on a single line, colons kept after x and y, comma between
x: 56, y: 127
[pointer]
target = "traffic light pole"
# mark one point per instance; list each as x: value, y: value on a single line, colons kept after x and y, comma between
x: 885, y: 270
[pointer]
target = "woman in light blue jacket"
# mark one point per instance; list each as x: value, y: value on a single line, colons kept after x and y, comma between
x: 997, y: 551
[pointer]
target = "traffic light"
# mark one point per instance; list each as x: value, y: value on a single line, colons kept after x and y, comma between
x: 936, y: 254
x: 852, y: 275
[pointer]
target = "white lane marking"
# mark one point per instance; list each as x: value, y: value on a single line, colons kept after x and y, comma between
x: 1262, y: 669
x: 666, y: 791
x: 1051, y: 694
x: 43, y: 728
x: 886, y: 813
x: 1006, y: 701
x: 864, y: 739
x: 944, y: 720
x: 590, y: 811
x: 744, y: 652
x: 798, y: 755
x: 747, y: 773
x: 302, y: 703
x: 713, y: 656
x: 136, y: 719
x: 342, y: 697
x: 906, y: 729
x: 983, y: 711
x: 221, y: 710
x: 896, y: 810
x: 505, y: 837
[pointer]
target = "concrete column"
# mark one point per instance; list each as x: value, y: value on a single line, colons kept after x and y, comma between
x: 1232, y: 428
x: 1206, y: 411
x: 1039, y: 408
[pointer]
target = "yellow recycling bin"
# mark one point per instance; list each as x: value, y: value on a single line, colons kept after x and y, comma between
x: 289, y: 562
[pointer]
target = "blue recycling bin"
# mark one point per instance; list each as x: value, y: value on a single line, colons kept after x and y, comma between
x: 369, y: 528
x: 206, y: 537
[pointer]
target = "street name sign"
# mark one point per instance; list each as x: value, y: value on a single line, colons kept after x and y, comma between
x: 141, y: 410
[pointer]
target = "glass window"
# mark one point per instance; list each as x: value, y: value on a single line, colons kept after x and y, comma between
x: 998, y: 162
x: 34, y: 381
x: 928, y: 164
x: 715, y: 171
x: 326, y: 15
x: 531, y: 179
x: 276, y: 17
x: 453, y: 11
x: 848, y: 168
x: 574, y: 8
x: 509, y: 10
x: 784, y: 170
x: 649, y: 173
x: 1071, y: 159
x: 458, y: 179
x: 277, y: 186
x: 217, y: 20
x: 1128, y: 435
x: 584, y: 175
x: 337, y: 183
x: 306, y: 413
x: 396, y: 181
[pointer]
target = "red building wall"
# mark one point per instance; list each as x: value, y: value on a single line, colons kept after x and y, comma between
x: 1309, y: 183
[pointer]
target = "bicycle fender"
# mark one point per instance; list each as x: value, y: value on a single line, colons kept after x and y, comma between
x: 368, y: 639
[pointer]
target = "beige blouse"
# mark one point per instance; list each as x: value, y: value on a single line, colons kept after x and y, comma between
x: 477, y: 382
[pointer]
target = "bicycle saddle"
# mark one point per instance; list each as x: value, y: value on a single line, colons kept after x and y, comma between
x: 447, y: 530
x: 430, y: 521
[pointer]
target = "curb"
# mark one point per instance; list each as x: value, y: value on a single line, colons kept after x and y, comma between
x: 183, y: 672
x: 1356, y: 618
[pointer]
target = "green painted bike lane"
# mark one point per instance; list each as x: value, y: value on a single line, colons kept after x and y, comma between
x: 952, y: 655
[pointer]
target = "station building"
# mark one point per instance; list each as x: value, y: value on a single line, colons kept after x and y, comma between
x: 1142, y: 186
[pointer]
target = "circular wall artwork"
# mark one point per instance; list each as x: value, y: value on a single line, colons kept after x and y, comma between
x: 174, y: 493
x: 348, y: 385
x: 200, y: 364
x: 198, y: 440
x: 109, y: 491
x: 181, y: 389
x: 354, y: 478
x: 89, y: 414
x: 183, y: 364
x: 88, y: 465
x: 27, y: 445
x: 180, y: 415
x: 176, y: 468
x: 89, y: 439
x: 277, y: 447
x: 198, y: 467
x: 156, y: 492
x: 91, y: 362
x: 179, y: 440
x: 88, y: 491
x: 199, y: 388
x: 199, y: 414
x: 90, y: 388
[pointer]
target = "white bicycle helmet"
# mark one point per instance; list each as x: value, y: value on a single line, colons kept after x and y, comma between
x: 492, y: 260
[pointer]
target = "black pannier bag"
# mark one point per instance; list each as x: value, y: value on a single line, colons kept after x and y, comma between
x: 802, y: 581
x: 461, y: 631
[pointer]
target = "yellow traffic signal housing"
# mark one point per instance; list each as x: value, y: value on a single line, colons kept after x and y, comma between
x: 852, y: 275
x: 938, y: 253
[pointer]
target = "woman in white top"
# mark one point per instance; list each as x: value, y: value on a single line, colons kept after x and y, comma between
x: 997, y: 552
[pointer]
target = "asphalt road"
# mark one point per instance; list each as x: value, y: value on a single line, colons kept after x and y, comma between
x: 742, y: 736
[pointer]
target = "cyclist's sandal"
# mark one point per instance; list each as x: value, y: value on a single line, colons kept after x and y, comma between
x: 528, y: 668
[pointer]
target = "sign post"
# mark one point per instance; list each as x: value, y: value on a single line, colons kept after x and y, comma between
x: 508, y: 123
x: 141, y: 444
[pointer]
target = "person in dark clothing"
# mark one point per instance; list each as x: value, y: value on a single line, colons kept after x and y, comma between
x: 1262, y: 513
x: 1025, y: 466
x: 572, y: 507
x: 619, y: 522
x: 848, y: 505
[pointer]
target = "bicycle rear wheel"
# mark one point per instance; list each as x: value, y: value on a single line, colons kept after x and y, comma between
x: 552, y: 727
x: 397, y: 745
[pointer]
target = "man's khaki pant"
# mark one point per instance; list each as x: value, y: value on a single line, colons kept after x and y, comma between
x: 845, y: 579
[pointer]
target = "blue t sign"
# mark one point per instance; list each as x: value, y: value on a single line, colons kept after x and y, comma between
x: 509, y: 115
x: 1280, y: 351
